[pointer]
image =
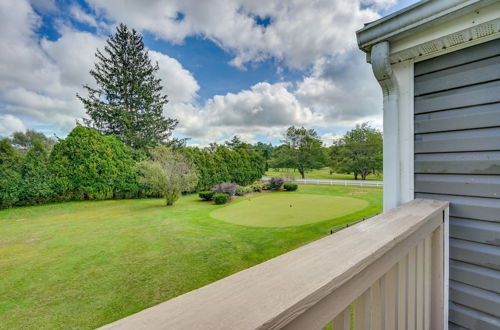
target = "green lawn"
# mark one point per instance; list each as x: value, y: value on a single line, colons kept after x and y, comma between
x: 85, y: 264
x: 323, y: 173
x: 287, y: 209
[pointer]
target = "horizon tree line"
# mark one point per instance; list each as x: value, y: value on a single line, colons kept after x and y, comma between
x: 125, y: 146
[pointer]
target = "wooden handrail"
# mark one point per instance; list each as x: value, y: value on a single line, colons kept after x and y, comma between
x: 307, y: 287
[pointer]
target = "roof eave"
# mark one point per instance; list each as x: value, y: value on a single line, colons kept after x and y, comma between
x: 414, y: 18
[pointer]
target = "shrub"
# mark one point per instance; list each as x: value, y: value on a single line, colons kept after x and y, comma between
x: 266, y: 186
x: 87, y: 165
x: 10, y: 176
x: 291, y: 186
x: 240, y: 191
x: 36, y: 177
x: 10, y: 187
x: 220, y: 198
x: 206, y: 195
x: 219, y: 163
x: 169, y: 172
x: 276, y: 183
x: 256, y: 187
x: 248, y: 190
x: 225, y: 188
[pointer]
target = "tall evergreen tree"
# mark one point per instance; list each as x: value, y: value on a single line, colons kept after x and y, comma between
x: 128, y: 100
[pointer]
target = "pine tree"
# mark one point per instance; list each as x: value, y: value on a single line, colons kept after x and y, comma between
x: 128, y: 100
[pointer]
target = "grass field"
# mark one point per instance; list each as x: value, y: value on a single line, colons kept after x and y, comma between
x: 85, y: 264
x: 323, y: 173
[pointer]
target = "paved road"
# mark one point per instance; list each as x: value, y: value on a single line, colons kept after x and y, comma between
x: 341, y: 182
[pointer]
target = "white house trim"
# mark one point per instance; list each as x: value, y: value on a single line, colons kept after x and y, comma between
x: 418, y: 17
x: 424, y: 30
x: 393, y: 45
x: 404, y: 75
x: 413, y: 48
x: 382, y: 70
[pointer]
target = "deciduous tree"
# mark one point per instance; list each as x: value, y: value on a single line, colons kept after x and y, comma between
x: 302, y: 150
x: 23, y: 141
x: 168, y: 172
x: 359, y: 152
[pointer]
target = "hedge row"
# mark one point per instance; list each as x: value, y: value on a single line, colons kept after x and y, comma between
x: 85, y: 165
x: 89, y: 166
x: 241, y: 166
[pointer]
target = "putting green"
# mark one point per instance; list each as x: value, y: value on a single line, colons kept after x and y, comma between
x: 287, y: 209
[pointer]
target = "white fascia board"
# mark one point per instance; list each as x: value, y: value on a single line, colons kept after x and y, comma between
x: 413, y: 19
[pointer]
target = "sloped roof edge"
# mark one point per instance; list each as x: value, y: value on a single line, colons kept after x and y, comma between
x: 414, y: 18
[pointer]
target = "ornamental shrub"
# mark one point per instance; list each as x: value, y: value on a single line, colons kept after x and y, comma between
x: 241, y: 190
x: 248, y: 190
x: 206, y: 195
x: 290, y: 186
x: 266, y: 186
x: 220, y: 198
x: 225, y: 188
x: 276, y: 183
x: 256, y: 187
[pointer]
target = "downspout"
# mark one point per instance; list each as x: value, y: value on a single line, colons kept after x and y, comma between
x: 382, y: 70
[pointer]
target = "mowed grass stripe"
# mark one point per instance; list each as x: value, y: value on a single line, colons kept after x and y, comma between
x: 286, y: 209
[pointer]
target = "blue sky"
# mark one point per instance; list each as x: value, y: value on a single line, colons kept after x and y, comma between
x: 239, y: 67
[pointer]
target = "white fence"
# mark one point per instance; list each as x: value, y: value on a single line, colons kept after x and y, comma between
x: 332, y: 182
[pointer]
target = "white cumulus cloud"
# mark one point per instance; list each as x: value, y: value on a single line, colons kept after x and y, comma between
x: 10, y: 124
x: 265, y: 109
x: 299, y: 32
x: 39, y: 78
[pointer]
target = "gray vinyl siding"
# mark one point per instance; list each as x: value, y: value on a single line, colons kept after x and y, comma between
x: 457, y: 158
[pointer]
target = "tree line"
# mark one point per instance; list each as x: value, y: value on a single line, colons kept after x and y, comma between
x: 358, y: 152
x: 87, y: 165
x: 125, y: 149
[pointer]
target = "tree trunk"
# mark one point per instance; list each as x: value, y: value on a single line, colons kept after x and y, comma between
x: 355, y: 175
x: 302, y: 174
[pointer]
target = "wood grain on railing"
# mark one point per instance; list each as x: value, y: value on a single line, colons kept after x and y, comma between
x: 403, y: 298
x: 358, y: 278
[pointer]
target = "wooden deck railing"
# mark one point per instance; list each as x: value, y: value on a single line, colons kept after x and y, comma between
x: 384, y: 273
